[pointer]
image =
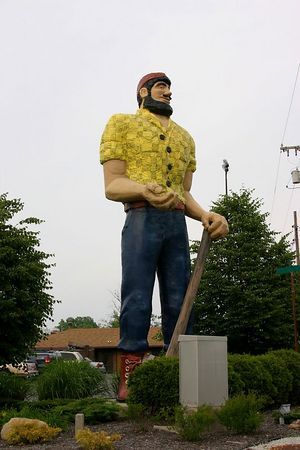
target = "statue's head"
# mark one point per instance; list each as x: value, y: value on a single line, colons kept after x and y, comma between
x: 153, y: 93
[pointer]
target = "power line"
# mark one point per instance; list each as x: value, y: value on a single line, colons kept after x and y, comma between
x: 281, y: 147
x: 288, y: 210
x: 290, y: 107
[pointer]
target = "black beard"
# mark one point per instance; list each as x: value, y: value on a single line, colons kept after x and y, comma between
x: 156, y: 107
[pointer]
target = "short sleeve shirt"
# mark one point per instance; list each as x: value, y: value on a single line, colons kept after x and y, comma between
x: 152, y: 153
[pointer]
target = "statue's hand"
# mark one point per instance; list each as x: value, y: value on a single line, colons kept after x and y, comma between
x: 159, y: 197
x: 215, y: 224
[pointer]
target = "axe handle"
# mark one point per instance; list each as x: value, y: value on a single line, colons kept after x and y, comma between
x: 190, y: 295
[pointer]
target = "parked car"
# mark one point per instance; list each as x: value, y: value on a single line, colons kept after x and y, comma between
x: 70, y: 356
x: 97, y: 364
x: 76, y: 356
x: 45, y: 358
x: 27, y: 368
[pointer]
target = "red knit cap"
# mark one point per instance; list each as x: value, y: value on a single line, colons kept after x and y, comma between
x: 148, y: 77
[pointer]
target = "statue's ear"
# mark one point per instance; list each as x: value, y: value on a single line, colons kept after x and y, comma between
x: 143, y: 92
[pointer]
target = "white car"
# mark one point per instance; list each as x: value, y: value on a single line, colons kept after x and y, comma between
x: 97, y: 364
x: 76, y: 356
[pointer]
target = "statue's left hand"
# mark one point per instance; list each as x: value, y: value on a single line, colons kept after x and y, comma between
x: 215, y: 224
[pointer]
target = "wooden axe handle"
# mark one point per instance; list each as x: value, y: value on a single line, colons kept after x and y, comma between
x: 190, y: 295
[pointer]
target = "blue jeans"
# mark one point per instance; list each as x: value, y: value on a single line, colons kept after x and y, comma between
x: 153, y: 241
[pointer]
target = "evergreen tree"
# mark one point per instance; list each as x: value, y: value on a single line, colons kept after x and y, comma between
x: 241, y: 296
x: 25, y: 304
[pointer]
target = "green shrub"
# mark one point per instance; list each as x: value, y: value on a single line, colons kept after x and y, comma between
x: 136, y: 412
x: 281, y: 378
x: 292, y: 362
x: 235, y: 383
x: 70, y: 380
x: 51, y: 417
x: 191, y: 425
x: 95, y: 410
x: 60, y: 413
x: 241, y: 413
x: 12, y: 387
x: 155, y: 384
x: 253, y: 375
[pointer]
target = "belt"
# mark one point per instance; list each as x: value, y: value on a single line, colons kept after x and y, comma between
x: 145, y: 204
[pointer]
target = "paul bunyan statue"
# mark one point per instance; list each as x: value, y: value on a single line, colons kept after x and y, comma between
x: 148, y: 162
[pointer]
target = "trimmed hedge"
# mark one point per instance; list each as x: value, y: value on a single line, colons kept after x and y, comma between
x: 274, y: 377
x: 155, y: 384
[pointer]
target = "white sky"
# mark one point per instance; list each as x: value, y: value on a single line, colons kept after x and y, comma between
x: 67, y: 65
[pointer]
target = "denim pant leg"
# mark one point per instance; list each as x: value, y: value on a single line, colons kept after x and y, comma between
x: 173, y: 273
x: 141, y: 243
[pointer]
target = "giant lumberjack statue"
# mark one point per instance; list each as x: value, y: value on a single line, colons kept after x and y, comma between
x: 148, y: 163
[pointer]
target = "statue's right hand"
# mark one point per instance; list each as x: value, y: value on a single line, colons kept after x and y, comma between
x: 159, y: 197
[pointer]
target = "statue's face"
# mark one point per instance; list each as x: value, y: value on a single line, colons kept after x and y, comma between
x: 161, y: 92
x: 157, y: 99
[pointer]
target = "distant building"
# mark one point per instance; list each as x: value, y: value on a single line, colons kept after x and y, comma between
x: 98, y: 344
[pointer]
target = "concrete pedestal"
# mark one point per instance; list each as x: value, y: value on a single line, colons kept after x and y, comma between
x: 203, y: 377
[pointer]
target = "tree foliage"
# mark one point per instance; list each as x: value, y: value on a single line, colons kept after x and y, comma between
x: 241, y: 296
x: 77, y: 322
x: 25, y: 303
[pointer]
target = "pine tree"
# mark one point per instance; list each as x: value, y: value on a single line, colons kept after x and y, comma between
x: 241, y: 296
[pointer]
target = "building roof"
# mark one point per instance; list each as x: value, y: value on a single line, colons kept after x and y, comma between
x: 92, y: 337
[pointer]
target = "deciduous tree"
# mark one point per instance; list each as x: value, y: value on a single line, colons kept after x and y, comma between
x: 77, y: 322
x: 25, y: 301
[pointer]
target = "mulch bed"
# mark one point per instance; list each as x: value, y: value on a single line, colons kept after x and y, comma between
x: 142, y: 436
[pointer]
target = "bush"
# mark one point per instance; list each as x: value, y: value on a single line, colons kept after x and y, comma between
x: 281, y: 378
x: 292, y: 362
x: 12, y: 387
x: 241, y: 413
x: 60, y: 413
x: 251, y: 376
x: 27, y: 431
x: 95, y: 410
x: 100, y: 440
x: 70, y: 380
x: 235, y: 383
x: 191, y: 425
x: 155, y: 384
x: 51, y: 417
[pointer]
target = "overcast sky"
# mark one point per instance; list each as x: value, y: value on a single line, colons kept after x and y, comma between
x: 68, y: 65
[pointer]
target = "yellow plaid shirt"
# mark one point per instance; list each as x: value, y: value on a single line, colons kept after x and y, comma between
x: 152, y: 153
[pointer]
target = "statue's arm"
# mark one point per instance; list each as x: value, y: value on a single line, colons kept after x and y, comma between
x: 120, y: 188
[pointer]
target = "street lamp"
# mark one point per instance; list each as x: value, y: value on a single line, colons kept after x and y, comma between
x: 225, y: 166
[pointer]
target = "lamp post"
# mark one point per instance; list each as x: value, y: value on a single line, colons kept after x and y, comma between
x: 225, y: 166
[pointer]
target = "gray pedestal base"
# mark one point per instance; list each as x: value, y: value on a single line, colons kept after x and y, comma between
x: 203, y: 377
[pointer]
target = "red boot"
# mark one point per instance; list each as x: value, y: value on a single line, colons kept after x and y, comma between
x: 129, y: 361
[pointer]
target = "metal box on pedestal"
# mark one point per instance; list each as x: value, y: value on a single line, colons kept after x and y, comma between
x: 203, y: 376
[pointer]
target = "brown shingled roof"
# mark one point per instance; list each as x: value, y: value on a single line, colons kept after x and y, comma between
x: 93, y: 337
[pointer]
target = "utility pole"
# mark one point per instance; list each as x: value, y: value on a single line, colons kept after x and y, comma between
x: 291, y: 270
x: 293, y: 290
x: 296, y: 238
x: 287, y: 149
x: 225, y: 166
